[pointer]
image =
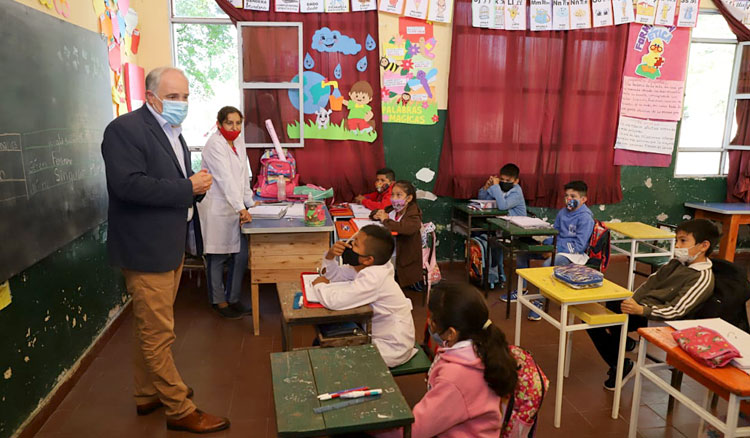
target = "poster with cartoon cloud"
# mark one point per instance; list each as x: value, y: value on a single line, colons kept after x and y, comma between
x: 409, y: 72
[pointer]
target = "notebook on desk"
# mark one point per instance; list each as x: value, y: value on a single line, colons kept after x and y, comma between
x: 268, y: 211
x: 310, y: 296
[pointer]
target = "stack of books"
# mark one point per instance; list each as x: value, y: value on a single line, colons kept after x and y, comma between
x: 482, y: 204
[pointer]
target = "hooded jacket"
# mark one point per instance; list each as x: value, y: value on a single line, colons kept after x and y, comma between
x: 575, y: 228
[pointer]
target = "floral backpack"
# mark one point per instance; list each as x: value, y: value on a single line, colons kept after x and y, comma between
x: 272, y: 168
x: 430, y: 267
x: 523, y: 406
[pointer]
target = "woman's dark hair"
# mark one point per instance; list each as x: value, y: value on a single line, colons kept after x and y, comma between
x: 462, y: 307
x: 226, y: 111
x: 408, y: 188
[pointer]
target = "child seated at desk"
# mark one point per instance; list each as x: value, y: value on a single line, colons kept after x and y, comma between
x: 404, y: 217
x: 508, y: 195
x: 381, y: 197
x: 472, y: 371
x: 370, y: 282
x: 574, y: 223
x: 670, y: 293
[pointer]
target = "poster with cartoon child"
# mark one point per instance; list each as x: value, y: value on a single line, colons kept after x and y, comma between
x: 360, y: 113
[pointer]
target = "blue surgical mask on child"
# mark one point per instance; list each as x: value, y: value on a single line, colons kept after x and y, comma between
x: 572, y: 204
x: 436, y: 337
x: 173, y: 111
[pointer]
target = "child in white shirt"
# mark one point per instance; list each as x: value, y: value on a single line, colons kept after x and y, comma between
x: 370, y: 282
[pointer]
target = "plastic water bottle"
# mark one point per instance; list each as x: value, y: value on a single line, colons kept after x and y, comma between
x: 281, y: 188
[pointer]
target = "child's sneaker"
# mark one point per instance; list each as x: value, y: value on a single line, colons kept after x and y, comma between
x: 533, y: 316
x: 513, y: 297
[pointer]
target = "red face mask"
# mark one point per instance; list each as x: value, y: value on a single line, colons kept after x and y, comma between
x: 229, y: 135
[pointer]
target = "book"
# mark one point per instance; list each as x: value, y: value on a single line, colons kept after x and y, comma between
x: 527, y: 222
x: 309, y: 295
x: 268, y: 211
x: 360, y: 211
x: 483, y: 204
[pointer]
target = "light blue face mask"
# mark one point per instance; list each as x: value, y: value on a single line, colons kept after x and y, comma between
x: 173, y: 111
x: 436, y: 337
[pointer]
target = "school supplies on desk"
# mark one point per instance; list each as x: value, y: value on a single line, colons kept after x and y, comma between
x: 482, y: 204
x: 345, y: 229
x: 738, y: 338
x: 360, y: 211
x: 309, y: 295
x: 363, y: 393
x: 527, y: 222
x: 267, y: 211
x: 342, y: 209
x: 343, y: 404
x: 578, y: 276
x: 296, y: 211
x: 359, y: 223
x: 297, y: 301
x: 337, y: 394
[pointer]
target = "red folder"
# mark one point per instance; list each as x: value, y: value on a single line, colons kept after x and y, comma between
x: 304, y: 292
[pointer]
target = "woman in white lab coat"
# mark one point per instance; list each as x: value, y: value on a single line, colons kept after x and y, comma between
x: 223, y: 211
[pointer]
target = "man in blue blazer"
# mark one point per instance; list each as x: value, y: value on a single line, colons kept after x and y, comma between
x: 152, y: 219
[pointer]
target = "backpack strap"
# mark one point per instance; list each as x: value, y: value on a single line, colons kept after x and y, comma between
x: 541, y: 400
x: 509, y: 413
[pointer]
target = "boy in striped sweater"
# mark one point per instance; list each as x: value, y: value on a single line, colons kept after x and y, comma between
x: 672, y: 292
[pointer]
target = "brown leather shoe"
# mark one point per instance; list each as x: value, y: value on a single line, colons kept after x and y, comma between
x: 199, y: 422
x: 150, y: 407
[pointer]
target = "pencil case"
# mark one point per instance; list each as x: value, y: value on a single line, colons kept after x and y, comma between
x: 578, y: 276
x: 706, y: 346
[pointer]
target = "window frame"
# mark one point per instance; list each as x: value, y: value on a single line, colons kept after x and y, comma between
x: 299, y: 85
x: 729, y: 114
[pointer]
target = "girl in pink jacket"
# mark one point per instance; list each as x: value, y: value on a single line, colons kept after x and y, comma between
x: 473, y: 369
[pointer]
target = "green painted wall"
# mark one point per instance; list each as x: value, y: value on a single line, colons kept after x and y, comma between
x: 649, y: 194
x: 59, y: 307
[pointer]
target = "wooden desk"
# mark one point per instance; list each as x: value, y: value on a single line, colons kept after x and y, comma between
x: 729, y: 382
x: 314, y: 315
x: 731, y: 216
x: 280, y: 249
x: 568, y: 297
x: 637, y: 234
x: 510, y: 235
x: 299, y: 376
x: 464, y: 220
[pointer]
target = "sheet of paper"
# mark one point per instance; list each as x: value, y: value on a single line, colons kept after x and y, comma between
x: 99, y: 7
x: 527, y: 222
x: 310, y: 293
x: 360, y: 211
x: 364, y: 222
x: 645, y: 135
x: 296, y: 210
x: 269, y: 211
x: 734, y: 335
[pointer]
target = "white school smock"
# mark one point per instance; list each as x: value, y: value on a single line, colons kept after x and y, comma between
x: 392, y: 323
x: 229, y: 194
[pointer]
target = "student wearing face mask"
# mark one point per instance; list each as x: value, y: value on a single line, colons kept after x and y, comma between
x: 673, y: 292
x: 381, y: 197
x: 404, y: 217
x: 505, y: 191
x: 223, y: 211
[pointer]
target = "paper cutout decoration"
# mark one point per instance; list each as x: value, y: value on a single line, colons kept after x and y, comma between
x: 131, y: 20
x: 114, y: 57
x: 688, y: 13
x: 364, y: 5
x: 105, y: 25
x: 312, y: 6
x: 361, y: 64
x: 622, y: 11
x: 580, y: 14
x: 515, y: 15
x: 258, y: 5
x: 440, y: 11
x: 123, y: 5
x: 135, y: 92
x: 308, y: 63
x: 540, y: 15
x: 318, y: 94
x: 392, y: 6
x: 136, y: 39
x: 122, y: 24
x: 333, y: 41
x: 482, y: 13
x: 498, y: 15
x: 370, y: 43
x: 116, y: 28
x: 337, y: 71
x: 416, y: 9
x: 601, y: 12
x: 645, y: 11
x: 334, y: 6
x: 99, y: 7
x: 665, y: 12
x: 287, y: 6
x: 561, y: 14
x: 47, y: 3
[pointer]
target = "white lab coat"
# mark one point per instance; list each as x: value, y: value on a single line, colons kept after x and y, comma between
x: 229, y: 194
x: 392, y: 323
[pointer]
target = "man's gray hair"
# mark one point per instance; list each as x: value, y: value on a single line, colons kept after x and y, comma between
x: 154, y: 77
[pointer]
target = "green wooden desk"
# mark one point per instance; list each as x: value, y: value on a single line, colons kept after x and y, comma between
x: 464, y: 221
x: 509, y: 237
x: 299, y: 376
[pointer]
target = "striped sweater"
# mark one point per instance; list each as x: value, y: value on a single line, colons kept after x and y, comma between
x: 675, y: 290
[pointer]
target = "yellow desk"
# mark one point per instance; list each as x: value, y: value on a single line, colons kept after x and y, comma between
x: 573, y: 303
x: 635, y: 234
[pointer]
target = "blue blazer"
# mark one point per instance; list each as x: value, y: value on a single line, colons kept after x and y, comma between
x: 148, y: 195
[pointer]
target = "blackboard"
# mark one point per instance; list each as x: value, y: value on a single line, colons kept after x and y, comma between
x: 55, y: 102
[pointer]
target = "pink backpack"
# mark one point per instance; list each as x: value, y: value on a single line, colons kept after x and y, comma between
x: 430, y: 267
x: 271, y: 169
x: 523, y: 406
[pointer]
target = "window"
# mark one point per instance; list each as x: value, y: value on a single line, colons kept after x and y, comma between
x: 706, y: 127
x: 204, y: 45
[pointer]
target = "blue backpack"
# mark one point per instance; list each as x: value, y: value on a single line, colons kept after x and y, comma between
x: 478, y: 251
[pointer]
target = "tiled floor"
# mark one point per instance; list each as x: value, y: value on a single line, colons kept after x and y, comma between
x: 229, y: 369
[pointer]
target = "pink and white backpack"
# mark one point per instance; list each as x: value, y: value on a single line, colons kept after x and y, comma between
x: 272, y: 168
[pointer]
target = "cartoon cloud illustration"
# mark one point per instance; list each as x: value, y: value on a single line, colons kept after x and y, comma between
x: 327, y: 40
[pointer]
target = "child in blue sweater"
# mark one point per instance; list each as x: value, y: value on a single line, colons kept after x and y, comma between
x: 509, y: 196
x: 574, y: 223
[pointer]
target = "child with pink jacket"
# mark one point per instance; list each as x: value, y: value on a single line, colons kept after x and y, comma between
x: 473, y: 369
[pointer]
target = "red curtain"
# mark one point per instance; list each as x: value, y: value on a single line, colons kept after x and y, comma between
x: 347, y: 166
x: 546, y: 101
x: 738, y: 178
